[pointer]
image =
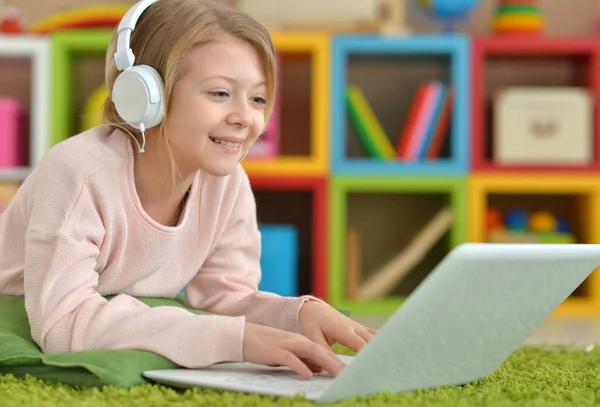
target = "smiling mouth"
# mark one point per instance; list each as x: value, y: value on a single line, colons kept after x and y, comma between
x: 225, y: 143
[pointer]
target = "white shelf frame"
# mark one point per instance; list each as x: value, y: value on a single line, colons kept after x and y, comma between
x: 38, y: 49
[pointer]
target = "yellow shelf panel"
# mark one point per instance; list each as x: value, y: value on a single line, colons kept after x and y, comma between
x: 298, y: 41
x: 577, y: 307
x: 305, y: 166
x: 317, y: 45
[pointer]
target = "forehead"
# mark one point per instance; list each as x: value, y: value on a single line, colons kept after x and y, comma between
x: 226, y: 56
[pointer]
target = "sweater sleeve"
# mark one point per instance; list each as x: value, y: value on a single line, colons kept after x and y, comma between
x: 227, y: 283
x: 68, y: 314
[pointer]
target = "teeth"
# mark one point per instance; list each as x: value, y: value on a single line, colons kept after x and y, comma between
x: 225, y: 143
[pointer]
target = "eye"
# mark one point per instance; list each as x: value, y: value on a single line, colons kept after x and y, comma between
x: 219, y: 93
x: 260, y: 100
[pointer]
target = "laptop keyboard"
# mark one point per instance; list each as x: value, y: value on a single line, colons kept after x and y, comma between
x: 286, y: 380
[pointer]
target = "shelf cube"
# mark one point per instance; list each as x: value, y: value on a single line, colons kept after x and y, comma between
x: 376, y: 220
x: 70, y: 48
x: 530, y: 205
x: 301, y: 202
x: 500, y: 63
x: 390, y: 71
x: 304, y: 104
x: 37, y: 51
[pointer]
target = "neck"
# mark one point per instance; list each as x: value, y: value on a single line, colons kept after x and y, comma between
x: 161, y: 192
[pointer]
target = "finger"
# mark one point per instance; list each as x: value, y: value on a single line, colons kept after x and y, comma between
x: 318, y: 337
x: 314, y: 368
x: 364, y: 333
x: 319, y: 356
x: 372, y: 331
x: 351, y: 339
x: 293, y: 362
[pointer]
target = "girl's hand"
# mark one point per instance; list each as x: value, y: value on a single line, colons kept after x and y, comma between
x: 326, y: 326
x: 274, y: 347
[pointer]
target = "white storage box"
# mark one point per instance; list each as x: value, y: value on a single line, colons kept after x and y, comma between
x: 544, y: 125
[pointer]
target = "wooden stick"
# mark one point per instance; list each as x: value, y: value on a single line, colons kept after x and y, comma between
x: 384, y: 280
x: 353, y: 264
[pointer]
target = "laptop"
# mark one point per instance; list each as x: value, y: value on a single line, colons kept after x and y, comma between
x: 478, y: 305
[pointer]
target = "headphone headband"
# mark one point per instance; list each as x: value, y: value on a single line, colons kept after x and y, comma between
x: 124, y: 57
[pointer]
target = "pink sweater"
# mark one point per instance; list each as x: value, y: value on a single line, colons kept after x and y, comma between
x: 76, y: 232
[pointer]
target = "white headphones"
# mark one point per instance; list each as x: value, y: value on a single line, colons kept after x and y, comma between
x: 138, y: 92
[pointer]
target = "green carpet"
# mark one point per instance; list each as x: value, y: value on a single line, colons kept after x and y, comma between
x: 532, y: 376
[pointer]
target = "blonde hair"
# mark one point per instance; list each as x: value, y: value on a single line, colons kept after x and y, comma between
x: 166, y: 33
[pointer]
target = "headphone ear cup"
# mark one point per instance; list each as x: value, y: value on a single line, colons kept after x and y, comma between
x: 138, y: 95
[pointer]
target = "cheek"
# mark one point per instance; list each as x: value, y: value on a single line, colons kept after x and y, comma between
x: 259, y: 124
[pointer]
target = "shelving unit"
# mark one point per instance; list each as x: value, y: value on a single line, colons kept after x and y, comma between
x: 388, y: 213
x: 36, y: 51
x: 577, y: 199
x: 389, y: 70
x: 325, y: 184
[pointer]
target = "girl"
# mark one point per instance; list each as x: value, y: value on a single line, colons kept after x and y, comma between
x: 156, y: 200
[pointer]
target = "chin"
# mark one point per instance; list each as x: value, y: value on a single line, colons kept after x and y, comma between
x: 221, y: 170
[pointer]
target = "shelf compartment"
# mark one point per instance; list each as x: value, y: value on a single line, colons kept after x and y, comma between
x: 305, y: 70
x: 27, y: 58
x: 574, y: 199
x: 531, y: 62
x: 386, y: 215
x: 301, y: 201
x: 389, y: 71
x: 74, y: 51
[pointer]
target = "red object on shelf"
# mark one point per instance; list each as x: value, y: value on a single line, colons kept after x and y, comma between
x: 486, y: 47
x: 12, y: 20
x: 318, y: 187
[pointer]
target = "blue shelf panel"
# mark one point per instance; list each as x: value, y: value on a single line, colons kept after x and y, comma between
x: 381, y: 168
x: 456, y: 47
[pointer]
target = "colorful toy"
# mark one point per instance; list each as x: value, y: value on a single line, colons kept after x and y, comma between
x: 517, y: 221
x: 518, y: 17
x: 104, y: 16
x: 493, y: 220
x: 542, y: 222
x: 520, y: 227
x: 562, y: 226
x: 12, y: 20
x: 447, y: 12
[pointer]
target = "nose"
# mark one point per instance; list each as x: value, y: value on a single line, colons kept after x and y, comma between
x: 240, y: 116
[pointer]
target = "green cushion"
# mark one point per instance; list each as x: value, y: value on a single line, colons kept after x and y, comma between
x: 20, y: 355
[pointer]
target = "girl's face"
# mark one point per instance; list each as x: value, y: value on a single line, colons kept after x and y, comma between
x: 217, y: 107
